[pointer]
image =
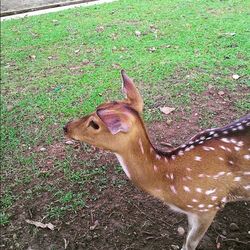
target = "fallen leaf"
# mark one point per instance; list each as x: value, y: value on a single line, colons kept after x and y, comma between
x: 32, y: 57
x: 69, y: 142
x: 153, y: 49
x: 40, y: 224
x: 235, y: 76
x: 138, y: 33
x: 181, y: 230
x: 85, y: 62
x: 166, y: 110
x: 42, y: 149
x: 230, y: 33
x: 100, y: 29
x: 116, y: 66
x: 96, y: 223
x: 66, y: 243
x: 221, y: 93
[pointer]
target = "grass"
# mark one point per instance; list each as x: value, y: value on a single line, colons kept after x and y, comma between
x: 61, y: 65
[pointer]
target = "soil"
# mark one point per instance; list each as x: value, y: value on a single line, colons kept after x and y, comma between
x: 121, y: 217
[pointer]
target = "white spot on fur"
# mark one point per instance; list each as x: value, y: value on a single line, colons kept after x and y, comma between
x: 237, y: 148
x: 247, y: 157
x: 197, y: 158
x: 141, y: 147
x: 240, y: 127
x: 157, y: 157
x: 208, y: 148
x: 210, y: 191
x: 246, y: 173
x: 172, y: 187
x: 186, y: 189
x: 224, y: 199
x: 180, y: 153
x: 240, y: 143
x: 237, y: 178
x: 155, y: 168
x: 214, y: 198
x: 201, y: 205
x: 204, y: 210
x: 247, y: 187
x: 219, y: 174
x: 201, y: 175
x: 225, y: 140
x: 233, y: 141
x: 221, y: 158
x: 189, y: 169
x: 199, y: 190
x: 194, y: 200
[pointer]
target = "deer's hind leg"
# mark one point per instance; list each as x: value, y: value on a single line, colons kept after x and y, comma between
x: 197, y: 227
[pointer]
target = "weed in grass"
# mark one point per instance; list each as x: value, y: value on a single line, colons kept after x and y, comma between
x: 4, y: 218
x: 7, y: 199
x: 243, y: 104
x: 65, y: 202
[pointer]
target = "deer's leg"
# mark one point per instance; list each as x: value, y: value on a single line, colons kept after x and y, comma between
x: 197, y: 226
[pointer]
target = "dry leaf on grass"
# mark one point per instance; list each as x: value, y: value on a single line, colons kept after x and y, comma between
x: 138, y: 33
x: 40, y: 224
x: 166, y: 110
x: 32, y: 57
x: 235, y: 76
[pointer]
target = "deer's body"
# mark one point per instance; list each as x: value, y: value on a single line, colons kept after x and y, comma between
x: 197, y: 178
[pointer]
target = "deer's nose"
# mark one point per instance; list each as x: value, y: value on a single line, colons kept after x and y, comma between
x: 65, y: 128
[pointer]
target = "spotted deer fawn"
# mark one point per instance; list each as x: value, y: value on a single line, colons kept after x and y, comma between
x: 196, y: 179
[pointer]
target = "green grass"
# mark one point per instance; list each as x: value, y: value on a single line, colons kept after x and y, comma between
x: 61, y: 65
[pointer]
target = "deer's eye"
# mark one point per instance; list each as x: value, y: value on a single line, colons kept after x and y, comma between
x: 94, y: 125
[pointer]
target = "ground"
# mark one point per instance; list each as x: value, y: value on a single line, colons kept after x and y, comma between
x: 60, y: 66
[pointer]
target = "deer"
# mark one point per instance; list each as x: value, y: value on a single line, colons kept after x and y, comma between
x: 197, y: 178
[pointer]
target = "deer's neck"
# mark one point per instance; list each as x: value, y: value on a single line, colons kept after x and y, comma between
x: 142, y: 164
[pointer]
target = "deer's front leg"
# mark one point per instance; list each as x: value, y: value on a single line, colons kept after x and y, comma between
x: 197, y: 226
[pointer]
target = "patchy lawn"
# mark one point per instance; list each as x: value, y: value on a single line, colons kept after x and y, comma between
x: 192, y: 56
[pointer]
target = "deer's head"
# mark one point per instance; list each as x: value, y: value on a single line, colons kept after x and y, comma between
x: 112, y: 124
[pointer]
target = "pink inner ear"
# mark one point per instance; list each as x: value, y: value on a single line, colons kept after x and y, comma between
x: 114, y: 122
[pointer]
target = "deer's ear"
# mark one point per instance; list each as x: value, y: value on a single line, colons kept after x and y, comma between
x: 114, y: 122
x: 133, y: 96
